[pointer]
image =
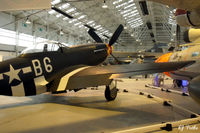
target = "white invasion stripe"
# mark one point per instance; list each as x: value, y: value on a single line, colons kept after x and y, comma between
x: 64, y: 80
x: 121, y: 75
x: 114, y: 76
x: 1, y: 76
x: 41, y: 89
x: 26, y: 70
x: 40, y: 83
x: 18, y: 90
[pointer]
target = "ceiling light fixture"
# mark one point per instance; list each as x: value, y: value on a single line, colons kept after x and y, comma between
x: 125, y: 27
x: 61, y: 32
x: 104, y: 4
x: 27, y: 21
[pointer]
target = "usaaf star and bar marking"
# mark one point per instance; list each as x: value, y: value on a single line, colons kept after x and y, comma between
x: 39, y: 80
x: 13, y: 73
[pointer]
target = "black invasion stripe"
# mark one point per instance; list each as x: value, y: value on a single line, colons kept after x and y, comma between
x: 29, y: 88
x: 6, y: 90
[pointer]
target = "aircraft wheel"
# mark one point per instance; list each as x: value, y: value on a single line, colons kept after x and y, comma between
x: 110, y: 94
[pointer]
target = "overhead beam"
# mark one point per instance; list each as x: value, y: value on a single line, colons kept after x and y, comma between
x: 61, y: 12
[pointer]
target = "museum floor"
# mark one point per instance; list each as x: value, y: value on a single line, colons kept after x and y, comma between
x: 88, y: 111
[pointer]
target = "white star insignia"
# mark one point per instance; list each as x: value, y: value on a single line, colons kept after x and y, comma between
x: 13, y: 74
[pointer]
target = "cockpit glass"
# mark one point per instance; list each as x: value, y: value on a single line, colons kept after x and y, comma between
x: 41, y: 48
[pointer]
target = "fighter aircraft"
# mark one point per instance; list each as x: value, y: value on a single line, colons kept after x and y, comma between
x: 131, y: 57
x: 144, y: 56
x: 152, y: 55
x: 71, y: 68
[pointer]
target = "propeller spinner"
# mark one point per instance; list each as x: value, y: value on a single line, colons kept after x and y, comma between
x: 113, y: 39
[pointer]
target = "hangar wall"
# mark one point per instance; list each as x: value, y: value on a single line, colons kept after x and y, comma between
x: 26, y: 35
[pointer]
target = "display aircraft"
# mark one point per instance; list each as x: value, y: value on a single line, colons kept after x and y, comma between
x: 187, y: 15
x: 125, y: 57
x: 192, y: 36
x: 188, y: 12
x: 71, y: 68
x: 130, y: 57
x: 190, y: 73
x: 153, y: 55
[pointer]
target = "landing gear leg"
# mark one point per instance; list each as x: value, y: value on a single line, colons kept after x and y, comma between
x: 111, y: 92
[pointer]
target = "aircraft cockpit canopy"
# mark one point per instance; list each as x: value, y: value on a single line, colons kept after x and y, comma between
x: 43, y: 47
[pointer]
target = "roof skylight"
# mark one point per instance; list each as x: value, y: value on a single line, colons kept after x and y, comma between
x: 129, y: 12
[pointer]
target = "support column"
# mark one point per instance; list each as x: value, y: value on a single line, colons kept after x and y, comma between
x: 17, y: 37
x: 34, y: 34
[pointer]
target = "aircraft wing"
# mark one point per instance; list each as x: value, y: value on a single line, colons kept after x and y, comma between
x: 119, y: 54
x: 103, y: 75
x: 182, y: 4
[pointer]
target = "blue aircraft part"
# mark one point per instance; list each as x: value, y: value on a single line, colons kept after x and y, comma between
x: 156, y: 80
x: 184, y: 83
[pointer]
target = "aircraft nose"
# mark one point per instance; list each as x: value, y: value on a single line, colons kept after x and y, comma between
x: 109, y: 49
x: 194, y: 89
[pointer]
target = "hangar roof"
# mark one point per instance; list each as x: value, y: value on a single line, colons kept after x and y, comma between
x: 146, y: 23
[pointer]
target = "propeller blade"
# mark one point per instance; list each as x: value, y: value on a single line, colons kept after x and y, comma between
x: 115, y: 36
x: 95, y: 36
x: 118, y: 61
